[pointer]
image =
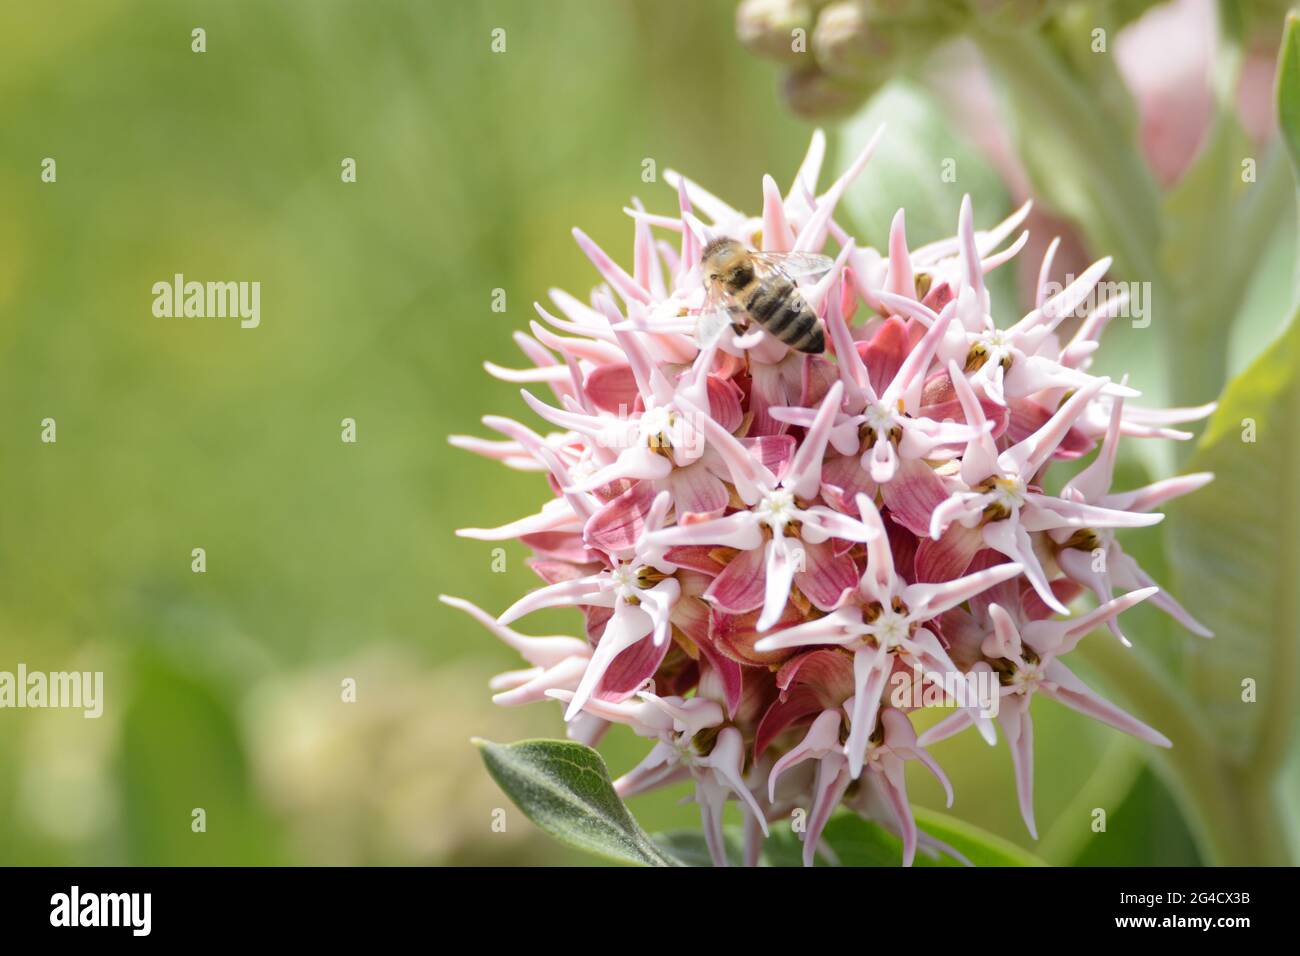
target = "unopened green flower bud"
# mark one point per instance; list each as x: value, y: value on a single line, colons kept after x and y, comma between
x: 843, y: 39
x: 776, y: 29
x: 851, y: 41
x: 813, y: 94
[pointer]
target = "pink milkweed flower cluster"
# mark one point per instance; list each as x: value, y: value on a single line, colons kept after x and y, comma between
x: 777, y: 553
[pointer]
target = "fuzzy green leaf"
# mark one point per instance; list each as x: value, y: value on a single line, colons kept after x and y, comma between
x: 1235, y: 547
x: 564, y: 788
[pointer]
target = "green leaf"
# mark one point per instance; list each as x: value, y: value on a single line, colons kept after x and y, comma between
x: 689, y: 847
x: 857, y: 842
x: 565, y: 789
x: 1288, y: 88
x: 907, y: 169
x: 1145, y: 825
x: 1235, y: 548
x: 979, y: 846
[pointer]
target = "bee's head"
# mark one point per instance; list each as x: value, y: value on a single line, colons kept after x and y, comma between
x: 721, y: 258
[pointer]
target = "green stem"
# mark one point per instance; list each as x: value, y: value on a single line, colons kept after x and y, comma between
x: 1106, y: 187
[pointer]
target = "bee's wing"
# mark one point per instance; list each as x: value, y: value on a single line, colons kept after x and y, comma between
x: 714, y: 318
x: 795, y: 265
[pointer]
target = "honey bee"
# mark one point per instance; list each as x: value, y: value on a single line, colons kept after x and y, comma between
x: 760, y: 286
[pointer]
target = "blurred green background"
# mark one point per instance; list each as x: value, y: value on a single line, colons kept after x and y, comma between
x: 325, y: 559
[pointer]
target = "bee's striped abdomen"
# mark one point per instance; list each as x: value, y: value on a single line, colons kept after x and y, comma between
x: 778, y: 307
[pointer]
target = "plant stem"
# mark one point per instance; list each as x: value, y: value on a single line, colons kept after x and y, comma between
x: 1107, y: 187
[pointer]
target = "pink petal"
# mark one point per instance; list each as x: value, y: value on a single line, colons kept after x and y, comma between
x: 751, y: 478
x: 778, y: 580
x: 740, y: 586
x: 951, y: 725
x: 871, y: 667
x: 560, y: 546
x: 948, y: 557
x: 612, y: 388
x: 739, y: 530
x: 827, y: 672
x: 624, y: 284
x: 901, y: 280
x: 1032, y: 453
x: 817, y: 375
x: 728, y: 672
x: 697, y: 557
x: 928, y: 600
x: 697, y: 491
x: 628, y: 625
x: 1157, y: 493
x: 829, y: 787
x: 1019, y: 728
x: 1027, y: 416
x: 885, y: 353
x: 529, y: 687
x: 629, y: 671
x: 777, y: 234
x: 970, y: 257
x: 822, y: 738
x: 803, y: 476
x: 560, y: 594
x: 981, y: 457
x: 1077, y: 695
x: 827, y: 576
x: 853, y: 373
x: 813, y: 234
x: 1011, y: 539
x: 737, y: 636
x: 820, y: 523
x: 913, y: 494
x: 880, y: 577
x: 768, y: 388
x: 554, y: 571
x: 843, y: 479
x: 894, y: 789
x: 617, y: 526
x: 1065, y: 590
x: 909, y: 382
x: 724, y: 402
x: 783, y: 713
x: 773, y: 452
x: 939, y: 402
